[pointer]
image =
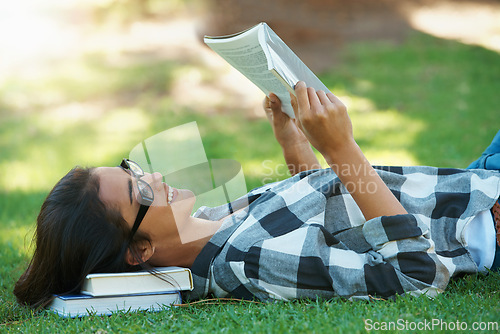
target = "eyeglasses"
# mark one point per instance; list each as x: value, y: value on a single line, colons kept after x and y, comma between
x: 146, y: 194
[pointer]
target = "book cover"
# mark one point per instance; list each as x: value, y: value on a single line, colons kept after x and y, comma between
x: 164, y: 279
x: 79, y: 305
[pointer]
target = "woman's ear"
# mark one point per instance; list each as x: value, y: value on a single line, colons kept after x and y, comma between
x: 140, y: 252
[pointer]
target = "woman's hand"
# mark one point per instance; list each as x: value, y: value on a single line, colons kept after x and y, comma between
x: 285, y: 130
x: 297, y: 151
x: 323, y: 119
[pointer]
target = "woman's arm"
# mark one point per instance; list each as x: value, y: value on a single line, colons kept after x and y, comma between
x: 297, y: 151
x: 324, y: 122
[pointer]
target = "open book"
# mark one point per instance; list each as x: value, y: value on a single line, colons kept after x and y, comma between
x: 167, y: 279
x: 260, y: 55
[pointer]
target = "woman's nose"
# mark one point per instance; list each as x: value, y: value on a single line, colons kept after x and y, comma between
x: 152, y: 178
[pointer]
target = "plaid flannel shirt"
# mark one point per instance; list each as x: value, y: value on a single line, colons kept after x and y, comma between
x: 305, y: 237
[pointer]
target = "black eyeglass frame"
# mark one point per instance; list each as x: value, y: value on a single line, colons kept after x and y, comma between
x: 145, y: 201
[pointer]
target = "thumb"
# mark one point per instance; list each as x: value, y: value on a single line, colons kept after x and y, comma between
x: 275, y: 102
x: 278, y: 114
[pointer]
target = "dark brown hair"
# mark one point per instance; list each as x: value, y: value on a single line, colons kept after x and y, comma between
x: 76, y: 234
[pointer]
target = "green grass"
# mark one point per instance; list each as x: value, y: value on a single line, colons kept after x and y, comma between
x: 426, y: 101
x: 432, y: 101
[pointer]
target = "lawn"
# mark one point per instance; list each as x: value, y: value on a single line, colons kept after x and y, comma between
x: 426, y: 101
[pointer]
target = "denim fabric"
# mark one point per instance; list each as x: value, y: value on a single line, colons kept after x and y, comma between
x: 490, y: 159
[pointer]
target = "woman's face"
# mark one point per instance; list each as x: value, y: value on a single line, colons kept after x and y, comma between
x: 164, y: 220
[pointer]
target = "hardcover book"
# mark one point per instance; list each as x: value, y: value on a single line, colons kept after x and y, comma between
x: 163, y: 280
x: 79, y: 305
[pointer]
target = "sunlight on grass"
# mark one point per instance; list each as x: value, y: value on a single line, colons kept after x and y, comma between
x: 58, y: 143
x: 23, y: 176
x: 391, y: 157
x: 354, y: 103
x: 18, y: 238
x: 385, y: 135
x: 114, y: 131
x: 443, y: 94
x: 266, y: 171
x: 471, y: 22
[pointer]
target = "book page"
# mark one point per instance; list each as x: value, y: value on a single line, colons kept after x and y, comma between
x: 244, y: 52
x: 286, y: 63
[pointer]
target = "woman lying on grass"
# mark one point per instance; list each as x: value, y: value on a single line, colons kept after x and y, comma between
x: 350, y: 230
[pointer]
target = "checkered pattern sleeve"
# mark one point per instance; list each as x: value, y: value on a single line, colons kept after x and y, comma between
x: 306, y: 238
x: 310, y: 262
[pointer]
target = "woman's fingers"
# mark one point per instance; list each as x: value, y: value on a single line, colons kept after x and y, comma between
x: 335, y: 100
x: 332, y: 97
x: 293, y: 100
x: 302, y: 98
x: 314, y: 101
x: 266, y: 105
x: 323, y: 98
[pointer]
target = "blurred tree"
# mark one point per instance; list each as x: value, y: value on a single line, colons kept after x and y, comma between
x: 315, y: 29
x: 124, y: 12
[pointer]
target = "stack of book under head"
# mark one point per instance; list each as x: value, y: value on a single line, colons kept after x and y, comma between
x: 103, y: 294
